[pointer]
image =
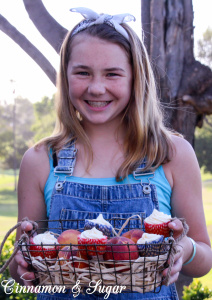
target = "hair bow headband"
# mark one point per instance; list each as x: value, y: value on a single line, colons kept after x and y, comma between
x: 92, y: 18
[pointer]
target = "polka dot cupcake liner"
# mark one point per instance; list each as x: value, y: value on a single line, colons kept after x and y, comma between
x: 160, y: 229
x: 105, y: 229
x: 154, y: 248
x: 92, y: 246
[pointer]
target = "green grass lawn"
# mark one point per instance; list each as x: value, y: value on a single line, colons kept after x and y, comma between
x: 8, y: 203
x: 207, y: 198
x: 8, y: 209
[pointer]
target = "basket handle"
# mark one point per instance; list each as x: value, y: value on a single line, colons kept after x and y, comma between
x: 126, y: 222
x: 16, y: 248
x: 174, y: 248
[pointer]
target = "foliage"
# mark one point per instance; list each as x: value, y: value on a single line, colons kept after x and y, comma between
x: 44, y: 118
x: 203, y: 145
x: 205, y: 48
x: 196, y: 291
x: 5, y: 255
x: 15, y: 122
x: 22, y: 125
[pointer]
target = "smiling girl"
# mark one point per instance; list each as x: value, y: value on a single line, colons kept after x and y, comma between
x: 109, y: 124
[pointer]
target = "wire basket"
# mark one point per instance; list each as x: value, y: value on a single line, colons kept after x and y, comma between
x: 73, y: 264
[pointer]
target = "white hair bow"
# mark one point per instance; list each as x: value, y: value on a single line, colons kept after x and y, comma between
x: 92, y: 18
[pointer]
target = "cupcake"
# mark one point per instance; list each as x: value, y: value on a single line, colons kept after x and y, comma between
x: 94, y: 240
x: 101, y: 224
x: 157, y: 223
x: 150, y: 245
x: 43, y: 245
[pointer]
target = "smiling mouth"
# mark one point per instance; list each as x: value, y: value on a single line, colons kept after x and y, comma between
x: 98, y: 103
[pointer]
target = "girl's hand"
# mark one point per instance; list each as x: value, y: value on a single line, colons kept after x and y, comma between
x: 23, y: 266
x: 177, y: 266
x: 26, y: 227
x: 177, y: 228
x: 22, y: 270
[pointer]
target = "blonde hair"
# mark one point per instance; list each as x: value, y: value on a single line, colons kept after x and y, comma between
x: 146, y: 135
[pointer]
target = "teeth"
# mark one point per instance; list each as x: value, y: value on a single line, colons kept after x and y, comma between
x: 98, y: 103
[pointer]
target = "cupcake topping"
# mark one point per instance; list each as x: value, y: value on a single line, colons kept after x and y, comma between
x: 92, y: 234
x: 100, y: 220
x: 45, y: 238
x: 157, y: 217
x: 147, y: 237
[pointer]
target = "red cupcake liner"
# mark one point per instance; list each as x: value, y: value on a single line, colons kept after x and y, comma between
x: 94, y: 249
x: 42, y: 250
x: 161, y: 229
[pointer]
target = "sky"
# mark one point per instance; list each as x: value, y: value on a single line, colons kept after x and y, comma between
x: 28, y: 79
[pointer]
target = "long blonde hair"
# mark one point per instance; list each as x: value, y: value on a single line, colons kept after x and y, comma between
x: 146, y: 135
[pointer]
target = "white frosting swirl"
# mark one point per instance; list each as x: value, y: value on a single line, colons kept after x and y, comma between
x: 148, y: 237
x: 101, y: 220
x: 157, y: 217
x: 45, y: 238
x: 92, y: 234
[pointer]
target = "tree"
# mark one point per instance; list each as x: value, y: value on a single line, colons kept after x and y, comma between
x: 185, y: 85
x: 204, y: 51
x: 203, y: 145
x: 203, y: 136
x: 44, y: 118
x: 24, y: 118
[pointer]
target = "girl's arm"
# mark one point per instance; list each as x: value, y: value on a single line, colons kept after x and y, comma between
x: 34, y: 172
x: 184, y: 176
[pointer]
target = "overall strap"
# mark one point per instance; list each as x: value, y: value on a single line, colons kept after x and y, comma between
x: 140, y: 169
x: 139, y: 172
x: 66, y: 159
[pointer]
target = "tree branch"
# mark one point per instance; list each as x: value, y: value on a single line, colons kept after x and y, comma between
x: 48, y: 27
x: 202, y: 103
x: 29, y: 48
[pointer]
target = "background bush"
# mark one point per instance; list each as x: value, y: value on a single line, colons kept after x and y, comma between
x: 5, y: 255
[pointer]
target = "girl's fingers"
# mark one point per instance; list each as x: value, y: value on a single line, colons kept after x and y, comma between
x: 26, y: 226
x: 176, y: 268
x: 20, y: 260
x: 25, y: 274
x: 177, y: 228
x: 22, y: 270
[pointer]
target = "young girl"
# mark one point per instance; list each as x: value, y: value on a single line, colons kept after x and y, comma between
x: 109, y: 126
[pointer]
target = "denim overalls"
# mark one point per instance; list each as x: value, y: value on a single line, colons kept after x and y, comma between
x: 71, y: 200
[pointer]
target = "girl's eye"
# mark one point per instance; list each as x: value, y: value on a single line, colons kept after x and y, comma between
x: 112, y: 74
x: 83, y: 73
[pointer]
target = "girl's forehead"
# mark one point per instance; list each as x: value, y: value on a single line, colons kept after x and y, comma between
x: 86, y: 38
x: 86, y: 44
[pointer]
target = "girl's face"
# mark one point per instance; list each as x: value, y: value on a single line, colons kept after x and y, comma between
x: 100, y: 79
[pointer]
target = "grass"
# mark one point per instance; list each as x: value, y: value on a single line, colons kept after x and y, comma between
x: 8, y: 209
x: 8, y: 203
x: 207, y: 196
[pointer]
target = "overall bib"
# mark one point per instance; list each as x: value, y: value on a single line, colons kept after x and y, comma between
x: 71, y: 200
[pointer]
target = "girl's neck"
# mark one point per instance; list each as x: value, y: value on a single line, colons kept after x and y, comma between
x: 104, y: 133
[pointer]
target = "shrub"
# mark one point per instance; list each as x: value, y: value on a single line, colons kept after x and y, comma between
x: 5, y: 255
x: 196, y: 291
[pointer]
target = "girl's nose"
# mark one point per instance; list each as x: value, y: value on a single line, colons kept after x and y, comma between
x: 96, y: 87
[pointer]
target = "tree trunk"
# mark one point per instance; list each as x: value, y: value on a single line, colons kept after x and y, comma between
x: 168, y: 31
x: 185, y: 85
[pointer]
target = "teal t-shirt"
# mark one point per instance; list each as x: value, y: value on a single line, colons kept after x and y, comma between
x: 159, y: 180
